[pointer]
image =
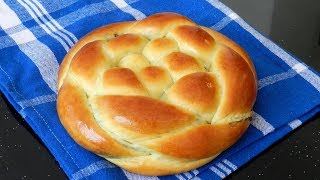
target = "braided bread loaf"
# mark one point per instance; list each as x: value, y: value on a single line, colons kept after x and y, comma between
x: 157, y: 96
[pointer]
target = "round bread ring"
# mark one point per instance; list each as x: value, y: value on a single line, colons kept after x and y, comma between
x: 158, y: 96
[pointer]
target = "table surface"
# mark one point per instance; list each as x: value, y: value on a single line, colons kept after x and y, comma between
x: 293, y: 25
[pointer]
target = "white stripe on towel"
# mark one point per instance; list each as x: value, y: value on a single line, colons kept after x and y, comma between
x: 218, y: 172
x: 189, y: 176
x: 225, y: 21
x: 224, y: 168
x: 261, y: 124
x: 54, y: 22
x: 64, y: 21
x: 48, y: 64
x: 299, y: 67
x: 296, y: 69
x: 195, y: 172
x: 92, y: 168
x: 125, y: 7
x: 266, y: 81
x: 133, y: 176
x: 46, y: 26
x: 295, y: 123
x: 180, y: 177
x: 230, y: 164
x: 38, y: 100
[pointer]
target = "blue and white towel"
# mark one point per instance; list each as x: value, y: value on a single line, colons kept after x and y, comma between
x: 35, y: 35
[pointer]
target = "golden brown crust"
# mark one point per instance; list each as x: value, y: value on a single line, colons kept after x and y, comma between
x: 105, y: 32
x: 157, y: 96
x: 204, y: 98
x: 120, y: 46
x: 76, y: 117
x: 156, y: 79
x: 156, y: 117
x: 88, y: 62
x: 201, y: 141
x: 158, y: 48
x: 178, y: 61
x: 158, y: 25
x: 220, y: 38
x: 238, y: 83
x: 135, y: 62
x: 122, y: 81
x: 195, y: 41
x: 194, y: 37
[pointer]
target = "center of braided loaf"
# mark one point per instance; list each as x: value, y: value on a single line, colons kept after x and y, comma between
x: 149, y: 83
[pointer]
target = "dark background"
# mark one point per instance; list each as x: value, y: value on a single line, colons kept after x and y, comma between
x: 293, y: 24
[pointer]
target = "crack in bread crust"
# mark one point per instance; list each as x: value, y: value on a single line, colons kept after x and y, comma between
x: 158, y: 96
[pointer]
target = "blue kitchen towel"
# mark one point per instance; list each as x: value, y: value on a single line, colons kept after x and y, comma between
x: 35, y: 35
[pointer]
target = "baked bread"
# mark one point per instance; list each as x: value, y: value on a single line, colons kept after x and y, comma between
x: 158, y: 96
